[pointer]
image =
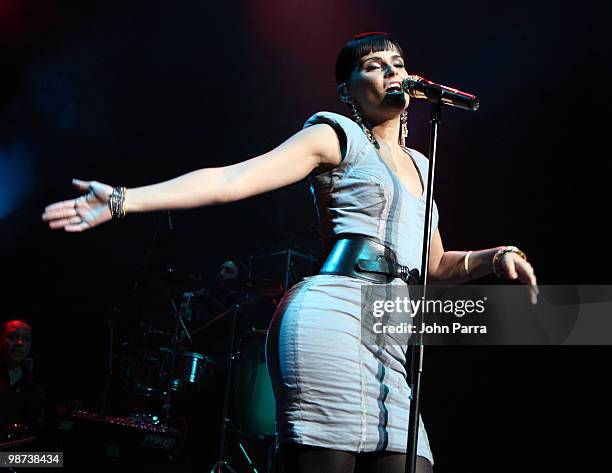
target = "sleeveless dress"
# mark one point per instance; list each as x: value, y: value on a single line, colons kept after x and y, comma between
x: 331, y: 389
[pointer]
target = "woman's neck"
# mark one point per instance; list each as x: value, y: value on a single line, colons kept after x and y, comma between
x: 387, y: 133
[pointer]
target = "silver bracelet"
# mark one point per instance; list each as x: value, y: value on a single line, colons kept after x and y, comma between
x: 116, y: 203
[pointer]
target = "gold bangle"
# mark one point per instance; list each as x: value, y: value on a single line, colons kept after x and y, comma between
x: 503, y: 252
x: 466, y: 264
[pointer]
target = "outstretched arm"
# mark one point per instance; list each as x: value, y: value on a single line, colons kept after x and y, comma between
x: 290, y: 162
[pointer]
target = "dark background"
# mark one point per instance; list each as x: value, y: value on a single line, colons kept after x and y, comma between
x: 134, y: 92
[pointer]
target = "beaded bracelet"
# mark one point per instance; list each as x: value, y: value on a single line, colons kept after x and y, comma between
x: 116, y: 203
x: 503, y: 252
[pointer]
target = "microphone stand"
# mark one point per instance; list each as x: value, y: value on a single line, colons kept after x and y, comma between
x: 416, y: 350
x: 437, y: 95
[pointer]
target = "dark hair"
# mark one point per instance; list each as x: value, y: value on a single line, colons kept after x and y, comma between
x: 359, y: 46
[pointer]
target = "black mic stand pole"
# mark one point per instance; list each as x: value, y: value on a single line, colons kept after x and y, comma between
x: 416, y: 350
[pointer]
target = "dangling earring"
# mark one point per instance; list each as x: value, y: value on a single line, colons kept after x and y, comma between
x: 359, y: 120
x: 404, y: 128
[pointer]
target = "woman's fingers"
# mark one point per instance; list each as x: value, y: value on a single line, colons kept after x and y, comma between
x: 64, y: 204
x: 83, y: 186
x: 508, y: 267
x: 533, y: 284
x: 60, y: 210
x: 533, y: 294
x: 84, y: 212
x: 526, y: 275
x: 79, y: 227
x: 61, y: 223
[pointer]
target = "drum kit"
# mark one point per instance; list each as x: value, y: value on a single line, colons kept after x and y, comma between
x: 164, y: 365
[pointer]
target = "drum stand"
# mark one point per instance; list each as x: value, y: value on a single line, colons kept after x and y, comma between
x: 222, y: 464
x: 180, y: 324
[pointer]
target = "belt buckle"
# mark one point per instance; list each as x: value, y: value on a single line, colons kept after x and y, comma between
x: 413, y: 276
x: 409, y: 276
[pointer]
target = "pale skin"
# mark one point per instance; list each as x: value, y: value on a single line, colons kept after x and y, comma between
x: 314, y: 148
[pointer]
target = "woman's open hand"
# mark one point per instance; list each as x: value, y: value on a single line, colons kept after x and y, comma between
x: 82, y: 213
x: 513, y: 266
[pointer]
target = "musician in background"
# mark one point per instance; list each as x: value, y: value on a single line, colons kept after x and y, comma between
x: 228, y: 271
x: 22, y: 401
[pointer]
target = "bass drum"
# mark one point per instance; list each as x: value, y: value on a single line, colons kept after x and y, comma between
x: 253, y: 399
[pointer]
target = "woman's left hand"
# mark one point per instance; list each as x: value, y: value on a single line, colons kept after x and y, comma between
x: 513, y: 266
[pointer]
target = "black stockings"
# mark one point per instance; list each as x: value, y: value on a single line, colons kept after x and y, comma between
x: 306, y: 459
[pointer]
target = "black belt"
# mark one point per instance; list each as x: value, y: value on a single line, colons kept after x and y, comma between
x: 364, y: 258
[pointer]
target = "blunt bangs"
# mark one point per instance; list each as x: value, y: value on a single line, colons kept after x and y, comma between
x: 359, y: 46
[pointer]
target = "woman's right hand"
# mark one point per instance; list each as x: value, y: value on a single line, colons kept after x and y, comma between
x: 82, y: 213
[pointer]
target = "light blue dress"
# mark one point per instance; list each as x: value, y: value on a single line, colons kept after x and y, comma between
x: 331, y: 389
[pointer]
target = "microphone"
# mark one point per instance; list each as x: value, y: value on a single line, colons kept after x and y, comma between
x: 421, y: 88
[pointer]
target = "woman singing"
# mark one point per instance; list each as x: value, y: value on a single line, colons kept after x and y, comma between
x: 339, y: 401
